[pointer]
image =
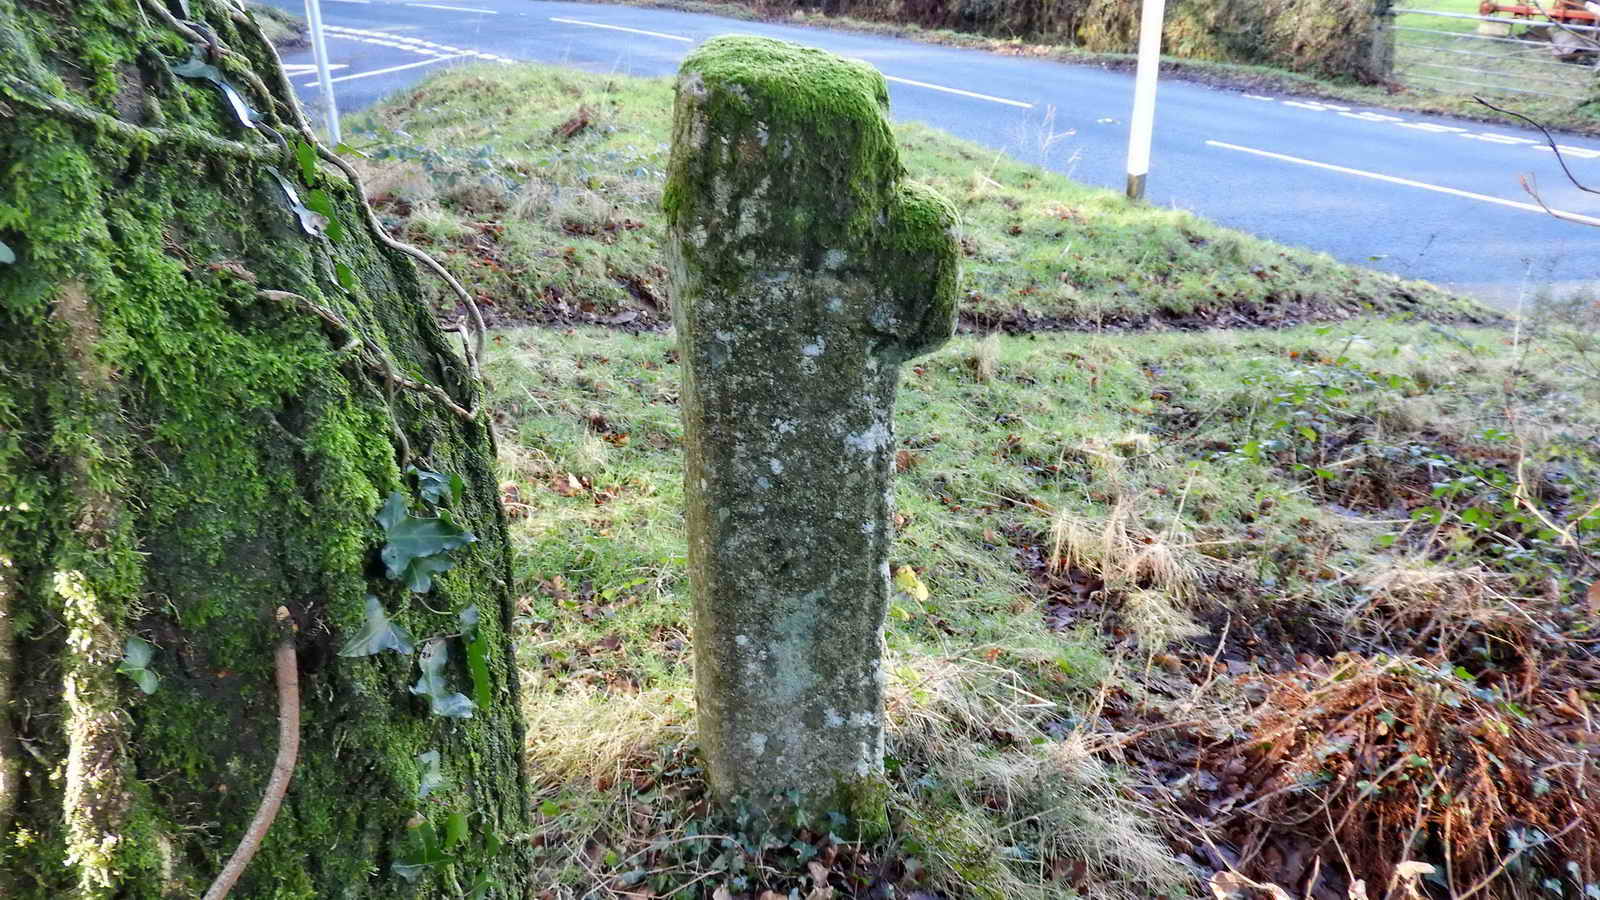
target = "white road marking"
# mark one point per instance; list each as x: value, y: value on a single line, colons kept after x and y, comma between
x: 412, y: 45
x: 670, y: 37
x: 470, y: 9
x: 1371, y: 117
x: 1579, y: 152
x: 1487, y: 137
x: 1430, y: 127
x: 351, y: 1
x: 950, y: 90
x: 295, y: 70
x: 425, y: 62
x: 1392, y: 179
x: 1317, y: 106
x: 1493, y: 138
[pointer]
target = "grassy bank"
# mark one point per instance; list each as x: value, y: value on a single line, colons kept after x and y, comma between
x: 1557, y: 114
x: 1134, y: 557
x: 1308, y: 604
x: 286, y: 31
x: 550, y: 213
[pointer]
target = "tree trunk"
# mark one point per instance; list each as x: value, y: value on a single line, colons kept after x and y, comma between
x: 206, y: 395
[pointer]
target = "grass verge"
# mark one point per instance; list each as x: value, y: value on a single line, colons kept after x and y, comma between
x: 1155, y: 593
x: 1556, y: 113
x: 285, y: 30
x: 550, y: 213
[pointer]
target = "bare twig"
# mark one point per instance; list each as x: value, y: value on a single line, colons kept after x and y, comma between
x: 288, y: 675
x: 1549, y: 138
x: 10, y: 758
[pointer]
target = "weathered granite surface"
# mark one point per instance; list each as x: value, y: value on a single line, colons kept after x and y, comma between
x: 805, y: 270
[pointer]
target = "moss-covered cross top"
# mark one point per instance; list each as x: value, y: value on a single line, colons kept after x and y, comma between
x: 805, y: 270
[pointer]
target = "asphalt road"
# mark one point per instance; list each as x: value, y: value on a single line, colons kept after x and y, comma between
x: 1421, y: 196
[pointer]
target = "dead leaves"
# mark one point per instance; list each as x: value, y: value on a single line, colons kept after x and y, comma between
x: 1233, y: 886
x: 568, y: 484
x: 573, y: 126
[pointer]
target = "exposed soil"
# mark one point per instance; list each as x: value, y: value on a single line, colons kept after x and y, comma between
x: 652, y: 314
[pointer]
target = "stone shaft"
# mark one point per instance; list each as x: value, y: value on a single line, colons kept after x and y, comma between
x: 804, y: 272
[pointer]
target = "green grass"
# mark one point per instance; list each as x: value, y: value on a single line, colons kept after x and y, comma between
x: 1456, y: 60
x: 552, y: 227
x: 286, y: 31
x: 1276, y: 474
x: 1118, y: 533
x: 1463, y: 7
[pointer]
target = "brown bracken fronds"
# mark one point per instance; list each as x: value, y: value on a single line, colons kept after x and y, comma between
x: 1379, y: 760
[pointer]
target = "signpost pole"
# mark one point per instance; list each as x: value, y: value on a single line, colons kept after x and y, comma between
x: 319, y: 48
x: 1144, y: 96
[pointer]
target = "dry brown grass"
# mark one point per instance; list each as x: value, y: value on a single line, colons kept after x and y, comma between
x: 986, y: 357
x: 584, y: 734
x: 1152, y: 575
x: 1058, y: 798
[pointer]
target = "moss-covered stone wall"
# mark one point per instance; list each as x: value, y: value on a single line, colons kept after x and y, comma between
x: 185, y: 446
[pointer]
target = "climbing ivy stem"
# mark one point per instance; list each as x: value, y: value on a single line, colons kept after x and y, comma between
x: 138, y: 134
x: 480, y: 328
x: 371, y: 355
x: 220, y: 51
x: 288, y: 675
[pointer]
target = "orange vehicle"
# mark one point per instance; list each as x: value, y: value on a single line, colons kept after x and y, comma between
x: 1568, y: 24
x: 1567, y: 12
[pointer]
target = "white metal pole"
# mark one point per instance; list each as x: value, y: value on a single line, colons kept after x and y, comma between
x: 319, y: 49
x: 1144, y: 96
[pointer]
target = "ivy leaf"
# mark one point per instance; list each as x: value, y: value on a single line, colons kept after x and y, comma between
x: 419, y: 575
x: 416, y: 547
x: 311, y: 222
x: 345, y: 276
x: 424, y: 851
x: 477, y: 657
x: 322, y: 205
x: 308, y: 161
x: 378, y: 634
x: 7, y: 255
x: 195, y: 68
x: 393, y: 511
x: 455, y: 830
x: 432, y: 779
x: 433, y: 684
x: 433, y: 486
x: 136, y: 656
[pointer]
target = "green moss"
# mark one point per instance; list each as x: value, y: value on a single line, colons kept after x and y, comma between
x: 865, y: 801
x: 752, y: 87
x: 921, y: 257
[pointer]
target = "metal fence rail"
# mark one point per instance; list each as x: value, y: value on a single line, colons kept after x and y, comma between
x: 1444, y: 51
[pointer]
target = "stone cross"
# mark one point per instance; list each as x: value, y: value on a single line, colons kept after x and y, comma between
x: 805, y: 270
